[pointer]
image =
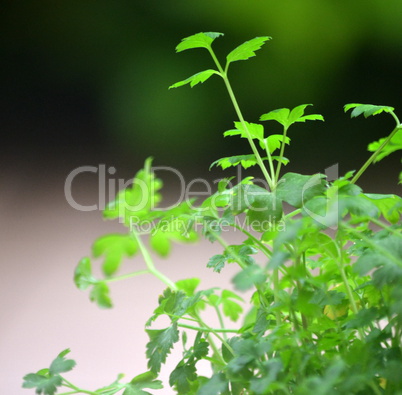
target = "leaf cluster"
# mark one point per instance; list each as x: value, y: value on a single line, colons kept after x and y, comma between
x: 321, y: 259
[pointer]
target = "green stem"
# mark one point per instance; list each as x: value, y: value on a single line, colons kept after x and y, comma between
x: 241, y: 263
x: 227, y: 247
x: 271, y: 164
x: 150, y: 264
x: 212, y: 343
x: 126, y: 276
x: 293, y: 213
x: 278, y: 169
x: 205, y: 329
x: 275, y: 280
x: 375, y: 388
x: 376, y: 153
x: 221, y: 322
x: 352, y: 302
x: 77, y: 390
x: 242, y: 121
x: 263, y: 248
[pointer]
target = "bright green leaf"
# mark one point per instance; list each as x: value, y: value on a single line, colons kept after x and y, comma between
x: 297, y: 189
x: 395, y: 144
x: 265, y: 209
x: 168, y: 231
x: 247, y: 49
x: 138, y: 383
x: 83, y: 274
x: 387, y: 204
x: 114, y: 247
x: 255, y: 130
x: 273, y: 142
x: 280, y: 115
x: 199, y: 40
x: 188, y: 285
x: 100, y: 295
x: 245, y: 161
x: 195, y: 79
x: 366, y: 109
x: 136, y: 203
x: 231, y: 308
x: 287, y: 117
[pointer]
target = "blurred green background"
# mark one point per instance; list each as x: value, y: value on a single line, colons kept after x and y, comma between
x: 85, y: 82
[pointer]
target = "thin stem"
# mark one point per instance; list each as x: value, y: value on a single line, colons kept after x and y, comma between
x: 77, y: 390
x: 278, y: 169
x: 202, y: 329
x: 270, y: 182
x: 241, y: 263
x: 263, y: 248
x: 227, y: 247
x: 150, y: 264
x: 126, y: 276
x: 221, y: 322
x: 352, y: 302
x: 271, y: 164
x: 375, y: 388
x: 275, y: 280
x: 376, y: 153
x: 299, y: 262
x: 242, y: 121
x: 213, y: 345
x: 293, y: 213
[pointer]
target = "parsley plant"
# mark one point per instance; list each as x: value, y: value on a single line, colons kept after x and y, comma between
x: 325, y: 315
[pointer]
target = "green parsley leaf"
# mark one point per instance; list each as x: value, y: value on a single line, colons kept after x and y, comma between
x: 217, y: 262
x: 114, y: 247
x: 43, y: 384
x: 199, y: 40
x: 159, y: 346
x: 182, y: 376
x: 265, y: 209
x: 195, y: 79
x: 250, y: 276
x: 138, y: 383
x: 395, y: 144
x: 83, y: 274
x: 255, y: 130
x: 366, y: 109
x: 387, y: 204
x: 100, y: 295
x: 60, y: 364
x: 297, y: 189
x: 245, y: 161
x: 135, y: 204
x: 287, y: 117
x: 247, y: 49
x: 218, y: 384
x: 230, y: 308
x: 173, y: 230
